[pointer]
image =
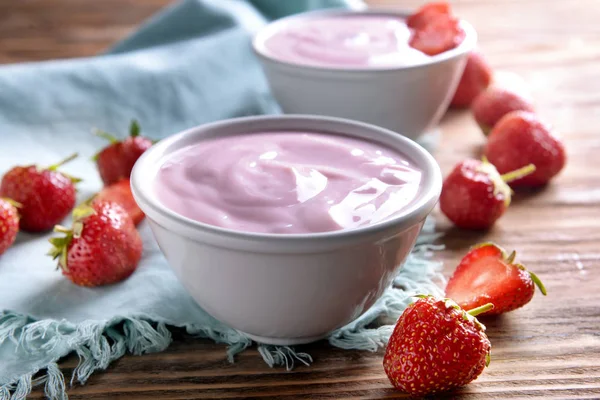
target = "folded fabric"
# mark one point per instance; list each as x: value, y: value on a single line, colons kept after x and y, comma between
x: 190, y: 64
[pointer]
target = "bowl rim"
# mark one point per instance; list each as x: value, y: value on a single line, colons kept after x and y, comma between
x: 465, y: 47
x: 142, y: 185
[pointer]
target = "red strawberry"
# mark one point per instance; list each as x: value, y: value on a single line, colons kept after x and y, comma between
x: 46, y: 195
x: 428, y: 12
x: 101, y: 248
x: 441, y: 33
x: 520, y: 138
x: 494, y: 103
x: 116, y: 161
x: 120, y: 192
x: 436, y: 346
x: 487, y: 274
x: 475, y: 195
x: 9, y: 223
x: 476, y: 77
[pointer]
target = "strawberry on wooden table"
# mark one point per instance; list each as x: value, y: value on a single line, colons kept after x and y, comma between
x: 488, y: 274
x: 475, y: 195
x: 476, y: 77
x: 521, y: 138
x: 494, y: 103
x: 46, y: 196
x: 102, y: 246
x: 120, y: 192
x: 9, y: 223
x: 116, y: 160
x: 436, y: 346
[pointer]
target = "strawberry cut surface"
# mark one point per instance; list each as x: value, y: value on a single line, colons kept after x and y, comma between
x: 488, y: 275
x: 441, y: 34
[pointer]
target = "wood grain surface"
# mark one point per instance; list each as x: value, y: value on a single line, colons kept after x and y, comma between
x: 549, y: 349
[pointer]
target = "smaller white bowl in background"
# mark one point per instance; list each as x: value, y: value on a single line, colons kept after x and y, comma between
x: 285, y: 288
x: 409, y: 99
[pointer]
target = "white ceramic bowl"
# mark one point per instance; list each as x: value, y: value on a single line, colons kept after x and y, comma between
x: 285, y: 289
x: 409, y: 100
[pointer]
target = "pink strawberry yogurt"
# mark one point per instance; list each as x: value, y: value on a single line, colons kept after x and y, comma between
x: 287, y: 182
x: 343, y: 41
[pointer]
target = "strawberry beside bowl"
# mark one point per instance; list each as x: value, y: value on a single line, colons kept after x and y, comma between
x: 285, y: 288
x: 409, y: 98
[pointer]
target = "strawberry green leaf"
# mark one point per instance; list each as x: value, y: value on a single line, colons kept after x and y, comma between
x: 72, y: 178
x: 134, y: 128
x: 82, y: 211
x: 60, y: 246
x: 538, y: 282
x: 55, y: 167
x: 511, y: 257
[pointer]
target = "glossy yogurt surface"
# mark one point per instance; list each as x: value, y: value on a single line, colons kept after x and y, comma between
x: 343, y: 41
x: 287, y: 182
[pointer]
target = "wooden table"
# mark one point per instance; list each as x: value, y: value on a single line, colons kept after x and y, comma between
x: 550, y: 349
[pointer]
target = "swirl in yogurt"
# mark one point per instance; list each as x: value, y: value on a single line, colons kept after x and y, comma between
x: 343, y: 41
x: 287, y: 182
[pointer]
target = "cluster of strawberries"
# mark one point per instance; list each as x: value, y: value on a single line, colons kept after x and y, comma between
x: 521, y: 150
x: 438, y: 344
x: 103, y: 245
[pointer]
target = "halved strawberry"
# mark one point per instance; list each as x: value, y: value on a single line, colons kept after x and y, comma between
x: 426, y: 13
x: 487, y: 274
x: 120, y: 192
x: 441, y: 33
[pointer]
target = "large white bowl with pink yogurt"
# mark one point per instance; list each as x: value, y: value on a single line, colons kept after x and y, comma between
x: 358, y: 65
x: 286, y: 227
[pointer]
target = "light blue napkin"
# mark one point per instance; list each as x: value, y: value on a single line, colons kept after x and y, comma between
x: 190, y: 64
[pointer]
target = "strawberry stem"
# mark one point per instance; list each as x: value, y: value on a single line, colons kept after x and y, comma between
x: 105, y: 135
x: 62, y: 162
x: 82, y: 211
x: 61, y: 229
x: 518, y: 173
x: 13, y: 203
x: 511, y: 257
x: 134, y: 128
x: 538, y: 282
x: 481, y: 309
